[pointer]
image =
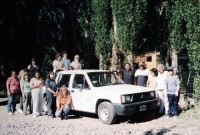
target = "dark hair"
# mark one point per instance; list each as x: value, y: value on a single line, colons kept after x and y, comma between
x: 33, y: 59
x: 155, y: 71
x: 57, y: 55
x: 37, y: 71
x: 128, y: 64
x: 64, y: 52
x: 48, y: 75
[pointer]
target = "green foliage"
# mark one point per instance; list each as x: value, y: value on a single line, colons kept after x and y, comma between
x: 129, y: 15
x: 100, y: 21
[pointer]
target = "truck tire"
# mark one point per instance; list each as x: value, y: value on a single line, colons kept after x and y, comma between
x: 106, y: 113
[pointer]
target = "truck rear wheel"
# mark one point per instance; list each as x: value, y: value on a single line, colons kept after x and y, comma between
x: 106, y: 113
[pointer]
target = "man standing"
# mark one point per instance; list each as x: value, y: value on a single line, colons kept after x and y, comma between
x: 128, y: 74
x: 142, y: 75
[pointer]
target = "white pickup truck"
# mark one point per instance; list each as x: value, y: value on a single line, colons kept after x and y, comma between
x: 104, y: 93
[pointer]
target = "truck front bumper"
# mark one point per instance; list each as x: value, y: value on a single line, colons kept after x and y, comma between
x: 128, y: 109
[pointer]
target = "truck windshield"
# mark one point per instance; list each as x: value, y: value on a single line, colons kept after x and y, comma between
x: 99, y: 79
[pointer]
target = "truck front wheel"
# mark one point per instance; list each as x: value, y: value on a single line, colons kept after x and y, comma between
x: 106, y: 113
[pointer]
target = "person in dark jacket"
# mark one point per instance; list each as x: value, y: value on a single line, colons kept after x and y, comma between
x: 51, y: 90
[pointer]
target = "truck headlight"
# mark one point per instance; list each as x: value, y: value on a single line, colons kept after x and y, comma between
x: 126, y: 98
x: 152, y: 94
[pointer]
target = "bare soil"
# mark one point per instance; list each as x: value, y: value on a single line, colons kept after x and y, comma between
x: 88, y: 124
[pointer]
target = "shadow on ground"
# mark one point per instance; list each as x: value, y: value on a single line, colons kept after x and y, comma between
x: 3, y: 100
x: 160, y: 131
x: 138, y: 117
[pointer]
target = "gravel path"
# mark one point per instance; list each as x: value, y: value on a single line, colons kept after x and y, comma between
x: 88, y: 124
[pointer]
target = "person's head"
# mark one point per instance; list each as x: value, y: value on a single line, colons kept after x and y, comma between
x: 153, y: 72
x: 33, y: 61
x: 64, y: 54
x: 37, y: 74
x: 50, y: 75
x: 26, y: 71
x: 141, y: 65
x: 14, y: 74
x: 127, y: 66
x: 76, y: 57
x: 170, y: 71
x: 161, y: 68
x: 26, y: 77
x: 58, y: 56
x: 64, y: 91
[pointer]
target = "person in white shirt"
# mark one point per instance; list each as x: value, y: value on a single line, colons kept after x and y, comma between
x: 162, y: 75
x: 76, y: 65
x: 141, y: 75
x: 57, y: 63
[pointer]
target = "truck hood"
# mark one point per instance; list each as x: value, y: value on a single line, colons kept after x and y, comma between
x: 123, y: 89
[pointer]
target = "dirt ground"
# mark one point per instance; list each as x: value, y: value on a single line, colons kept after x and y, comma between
x: 88, y: 124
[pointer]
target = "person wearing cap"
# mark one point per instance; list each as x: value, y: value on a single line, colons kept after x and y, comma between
x: 141, y: 75
x: 172, y: 91
x: 163, y: 100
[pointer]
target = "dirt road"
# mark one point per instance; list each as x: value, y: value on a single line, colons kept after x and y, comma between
x: 89, y: 124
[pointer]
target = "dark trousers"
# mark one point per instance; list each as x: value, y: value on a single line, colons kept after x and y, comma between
x: 173, y: 104
x: 12, y: 101
x: 51, y: 104
x: 27, y: 102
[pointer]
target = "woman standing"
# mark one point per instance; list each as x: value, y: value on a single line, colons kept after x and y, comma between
x: 51, y: 94
x: 13, y: 90
x: 36, y: 85
x: 32, y: 68
x: 64, y: 101
x: 26, y: 92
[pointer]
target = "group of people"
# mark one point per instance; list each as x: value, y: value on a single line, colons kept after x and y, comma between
x: 29, y: 87
x: 164, y: 81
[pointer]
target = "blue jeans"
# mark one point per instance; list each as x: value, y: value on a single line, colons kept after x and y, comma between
x: 12, y: 101
x: 64, y: 111
x: 173, y: 104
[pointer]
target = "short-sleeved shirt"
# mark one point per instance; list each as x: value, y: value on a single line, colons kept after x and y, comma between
x: 172, y: 82
x: 13, y: 84
x: 161, y: 85
x: 152, y: 81
x: 26, y: 86
x: 76, y: 65
x: 58, y: 64
x: 66, y: 64
x: 128, y: 76
x: 142, y: 76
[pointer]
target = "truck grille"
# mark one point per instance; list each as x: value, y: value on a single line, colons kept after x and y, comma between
x: 142, y: 97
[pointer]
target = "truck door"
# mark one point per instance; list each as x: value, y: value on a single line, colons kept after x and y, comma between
x: 81, y: 94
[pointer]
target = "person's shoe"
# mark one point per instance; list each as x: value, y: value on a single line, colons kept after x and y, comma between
x: 20, y: 111
x: 175, y: 117
x: 35, y: 115
x: 16, y: 112
x: 10, y: 113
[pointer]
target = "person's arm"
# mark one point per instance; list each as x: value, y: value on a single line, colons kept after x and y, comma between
x: 33, y: 85
x: 8, y: 86
x: 178, y: 87
x: 29, y: 67
x: 148, y: 82
x: 47, y: 84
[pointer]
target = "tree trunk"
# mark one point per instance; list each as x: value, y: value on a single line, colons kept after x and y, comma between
x: 174, y: 60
